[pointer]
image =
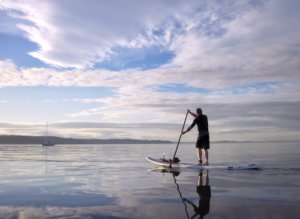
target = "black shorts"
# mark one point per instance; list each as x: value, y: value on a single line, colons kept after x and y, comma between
x: 203, y: 142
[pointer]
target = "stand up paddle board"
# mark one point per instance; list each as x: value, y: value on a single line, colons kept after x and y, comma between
x: 166, y: 163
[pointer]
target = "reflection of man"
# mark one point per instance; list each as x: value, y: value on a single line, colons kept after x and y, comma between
x: 203, y: 190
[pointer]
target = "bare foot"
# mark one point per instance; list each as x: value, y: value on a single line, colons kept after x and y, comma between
x: 206, y: 163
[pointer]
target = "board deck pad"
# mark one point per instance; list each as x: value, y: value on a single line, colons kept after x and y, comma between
x: 160, y: 162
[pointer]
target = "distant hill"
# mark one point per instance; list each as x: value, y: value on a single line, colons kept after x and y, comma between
x: 19, y: 139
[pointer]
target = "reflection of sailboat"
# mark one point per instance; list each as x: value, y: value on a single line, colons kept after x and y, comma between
x: 45, y: 187
x: 46, y: 141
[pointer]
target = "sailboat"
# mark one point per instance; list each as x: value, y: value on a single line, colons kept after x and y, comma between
x: 46, y: 141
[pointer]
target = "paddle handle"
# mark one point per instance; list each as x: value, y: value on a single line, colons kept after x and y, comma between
x: 180, y: 135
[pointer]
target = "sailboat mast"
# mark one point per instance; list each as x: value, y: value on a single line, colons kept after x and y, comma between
x: 47, y: 129
x: 46, y: 141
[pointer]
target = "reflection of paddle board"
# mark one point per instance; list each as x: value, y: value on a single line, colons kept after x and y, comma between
x: 160, y: 162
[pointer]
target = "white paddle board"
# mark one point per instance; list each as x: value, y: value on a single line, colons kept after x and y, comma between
x: 160, y: 162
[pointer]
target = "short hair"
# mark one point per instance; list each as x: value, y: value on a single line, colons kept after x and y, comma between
x: 199, y: 111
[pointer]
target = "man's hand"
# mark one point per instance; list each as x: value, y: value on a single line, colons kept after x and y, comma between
x: 193, y: 114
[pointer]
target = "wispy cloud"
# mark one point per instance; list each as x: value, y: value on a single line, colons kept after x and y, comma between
x: 203, y: 35
x: 98, y: 27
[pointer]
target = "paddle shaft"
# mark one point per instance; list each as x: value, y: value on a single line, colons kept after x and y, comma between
x: 179, y: 137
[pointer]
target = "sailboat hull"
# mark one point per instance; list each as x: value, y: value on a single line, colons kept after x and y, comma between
x: 47, y: 144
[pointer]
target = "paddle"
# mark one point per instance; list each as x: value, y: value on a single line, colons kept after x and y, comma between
x: 179, y: 139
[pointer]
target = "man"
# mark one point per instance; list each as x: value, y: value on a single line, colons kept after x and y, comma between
x: 203, y: 135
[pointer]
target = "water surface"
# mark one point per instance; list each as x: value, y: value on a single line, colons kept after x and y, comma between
x: 114, y: 181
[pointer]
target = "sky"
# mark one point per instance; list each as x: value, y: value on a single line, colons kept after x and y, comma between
x: 131, y: 69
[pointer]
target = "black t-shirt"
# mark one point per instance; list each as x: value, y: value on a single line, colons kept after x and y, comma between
x: 201, y: 122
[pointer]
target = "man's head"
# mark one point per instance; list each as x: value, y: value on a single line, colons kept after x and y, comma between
x: 199, y: 111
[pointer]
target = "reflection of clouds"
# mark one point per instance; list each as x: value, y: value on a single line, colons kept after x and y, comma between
x: 113, y: 186
x: 70, y: 170
x: 58, y: 212
x: 222, y: 209
x: 133, y: 201
x: 111, y: 181
x: 113, y: 212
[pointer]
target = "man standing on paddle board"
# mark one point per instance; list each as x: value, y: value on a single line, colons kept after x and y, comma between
x: 203, y: 135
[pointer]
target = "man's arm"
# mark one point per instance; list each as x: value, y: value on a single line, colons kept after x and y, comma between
x: 187, y: 130
x: 193, y: 114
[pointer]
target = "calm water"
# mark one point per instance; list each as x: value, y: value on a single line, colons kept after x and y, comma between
x: 113, y: 181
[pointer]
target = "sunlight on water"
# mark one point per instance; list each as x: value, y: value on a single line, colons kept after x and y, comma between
x: 113, y: 181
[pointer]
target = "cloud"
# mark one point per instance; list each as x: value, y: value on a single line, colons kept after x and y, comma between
x: 73, y: 34
x: 217, y: 44
x: 258, y: 45
x: 228, y: 56
x: 247, y: 110
x: 101, y: 130
x: 216, y: 33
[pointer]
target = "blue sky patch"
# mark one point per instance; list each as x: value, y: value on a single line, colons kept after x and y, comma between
x: 54, y: 93
x: 181, y: 88
x: 142, y: 58
x: 261, y: 87
x: 16, y: 48
x: 48, y: 103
